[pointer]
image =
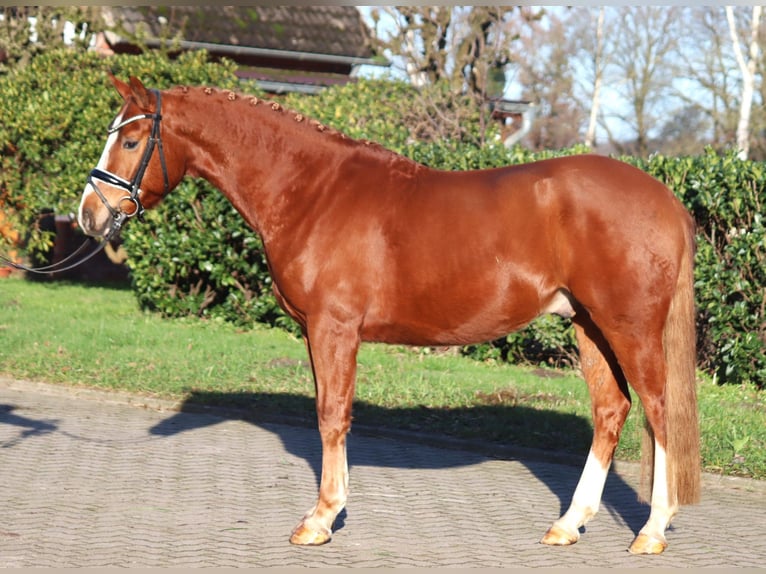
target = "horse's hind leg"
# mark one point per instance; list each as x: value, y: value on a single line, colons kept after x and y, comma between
x: 333, y: 347
x: 610, y: 403
x: 651, y: 392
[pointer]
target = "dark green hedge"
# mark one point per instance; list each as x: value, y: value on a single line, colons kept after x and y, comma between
x: 195, y: 256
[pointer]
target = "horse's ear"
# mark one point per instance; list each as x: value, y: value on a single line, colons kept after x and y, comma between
x: 135, y: 89
x: 120, y: 86
x: 141, y: 95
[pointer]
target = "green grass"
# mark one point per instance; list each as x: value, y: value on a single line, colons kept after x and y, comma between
x: 97, y: 337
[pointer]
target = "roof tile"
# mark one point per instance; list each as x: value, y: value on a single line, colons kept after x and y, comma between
x: 332, y: 30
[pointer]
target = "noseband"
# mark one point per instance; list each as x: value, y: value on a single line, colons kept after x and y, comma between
x: 133, y: 187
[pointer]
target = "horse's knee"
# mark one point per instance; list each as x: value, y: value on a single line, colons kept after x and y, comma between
x: 334, y: 432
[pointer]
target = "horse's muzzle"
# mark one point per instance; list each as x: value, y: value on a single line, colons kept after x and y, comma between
x: 92, y: 217
x: 86, y: 222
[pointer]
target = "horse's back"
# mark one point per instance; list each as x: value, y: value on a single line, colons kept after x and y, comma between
x: 591, y: 184
x: 548, y: 212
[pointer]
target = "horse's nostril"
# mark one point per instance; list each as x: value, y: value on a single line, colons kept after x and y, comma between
x: 86, y: 220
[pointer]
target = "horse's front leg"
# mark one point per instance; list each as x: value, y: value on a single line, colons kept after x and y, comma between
x: 332, y: 346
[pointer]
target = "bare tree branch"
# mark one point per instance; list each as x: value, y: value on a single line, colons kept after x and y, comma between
x: 464, y: 49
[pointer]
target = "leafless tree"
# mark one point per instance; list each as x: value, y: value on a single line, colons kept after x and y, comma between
x: 747, y: 60
x: 457, y: 57
x: 707, y: 67
x: 589, y: 47
x: 599, y: 65
x: 646, y: 46
x: 684, y: 133
x: 546, y: 76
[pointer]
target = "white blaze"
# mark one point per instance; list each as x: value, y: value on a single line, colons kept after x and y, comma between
x: 110, y: 141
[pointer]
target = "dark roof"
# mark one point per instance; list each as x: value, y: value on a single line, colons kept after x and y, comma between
x: 327, y: 30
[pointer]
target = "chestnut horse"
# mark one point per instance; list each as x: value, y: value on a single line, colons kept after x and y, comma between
x: 366, y: 245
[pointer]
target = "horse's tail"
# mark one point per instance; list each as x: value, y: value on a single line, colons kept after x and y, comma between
x: 681, y: 422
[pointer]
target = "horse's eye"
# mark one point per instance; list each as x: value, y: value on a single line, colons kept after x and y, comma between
x: 130, y: 144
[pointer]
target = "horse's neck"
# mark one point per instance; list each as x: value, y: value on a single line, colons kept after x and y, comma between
x: 254, y: 151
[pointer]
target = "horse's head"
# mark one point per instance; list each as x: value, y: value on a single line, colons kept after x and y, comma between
x: 133, y: 173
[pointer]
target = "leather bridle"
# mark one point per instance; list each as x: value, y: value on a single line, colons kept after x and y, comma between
x: 132, y: 187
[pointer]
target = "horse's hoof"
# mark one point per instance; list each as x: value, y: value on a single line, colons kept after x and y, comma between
x: 644, y: 544
x: 557, y: 536
x: 305, y: 536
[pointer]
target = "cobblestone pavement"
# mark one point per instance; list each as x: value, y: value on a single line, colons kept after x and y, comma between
x: 96, y: 479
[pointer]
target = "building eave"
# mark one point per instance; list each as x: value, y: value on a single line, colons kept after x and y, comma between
x: 276, y: 87
x: 250, y: 51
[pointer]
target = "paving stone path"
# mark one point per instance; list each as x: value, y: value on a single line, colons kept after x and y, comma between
x: 98, y: 479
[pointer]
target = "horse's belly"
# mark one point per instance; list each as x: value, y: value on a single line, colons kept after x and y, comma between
x: 447, y: 321
x: 428, y: 334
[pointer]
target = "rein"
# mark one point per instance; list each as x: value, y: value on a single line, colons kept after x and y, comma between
x: 64, y: 264
x: 133, y: 187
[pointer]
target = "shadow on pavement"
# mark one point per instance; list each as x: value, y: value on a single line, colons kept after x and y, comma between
x: 33, y: 427
x: 264, y: 410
